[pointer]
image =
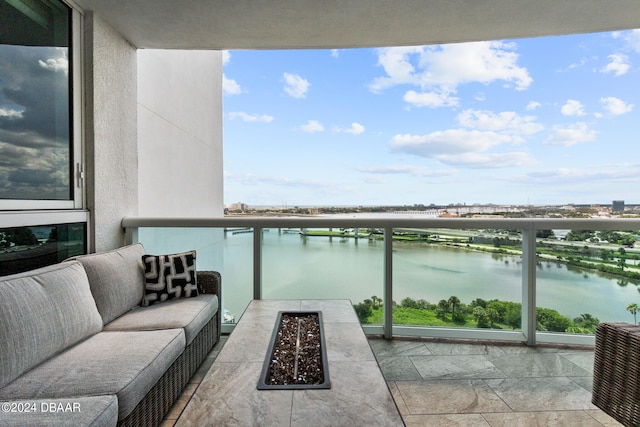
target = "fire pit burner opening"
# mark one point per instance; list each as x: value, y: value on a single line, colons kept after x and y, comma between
x: 297, y: 356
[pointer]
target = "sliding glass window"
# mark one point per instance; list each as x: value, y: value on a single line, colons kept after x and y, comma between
x: 36, y: 105
x: 42, y: 220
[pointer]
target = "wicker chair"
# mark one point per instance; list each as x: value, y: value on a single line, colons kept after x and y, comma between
x: 616, y: 377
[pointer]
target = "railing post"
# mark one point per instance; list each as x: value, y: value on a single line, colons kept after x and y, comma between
x: 388, y: 283
x: 257, y: 262
x: 131, y: 235
x: 529, y: 284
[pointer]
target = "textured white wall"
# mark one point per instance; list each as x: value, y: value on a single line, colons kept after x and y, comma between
x: 180, y: 149
x: 180, y: 133
x: 111, y: 132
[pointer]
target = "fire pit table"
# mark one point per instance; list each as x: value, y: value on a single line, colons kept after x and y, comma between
x: 358, y: 394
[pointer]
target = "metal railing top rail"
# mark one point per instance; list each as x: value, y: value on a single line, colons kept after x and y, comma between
x: 389, y: 221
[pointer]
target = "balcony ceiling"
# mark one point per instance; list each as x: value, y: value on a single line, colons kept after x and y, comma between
x: 277, y: 24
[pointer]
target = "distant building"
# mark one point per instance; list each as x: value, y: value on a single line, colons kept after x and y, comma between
x: 617, y: 206
x: 238, y: 206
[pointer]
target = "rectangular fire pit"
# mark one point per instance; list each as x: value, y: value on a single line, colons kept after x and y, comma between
x: 297, y: 355
x: 359, y: 394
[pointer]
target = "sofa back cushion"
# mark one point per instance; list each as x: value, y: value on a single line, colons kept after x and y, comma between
x: 116, y: 279
x: 42, y: 312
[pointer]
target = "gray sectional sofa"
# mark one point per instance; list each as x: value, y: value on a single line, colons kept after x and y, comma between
x: 77, y: 348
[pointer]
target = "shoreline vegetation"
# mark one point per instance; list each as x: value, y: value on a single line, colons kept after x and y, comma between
x: 601, y: 252
x: 493, y: 314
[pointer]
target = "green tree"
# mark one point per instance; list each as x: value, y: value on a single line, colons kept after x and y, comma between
x: 480, y: 316
x: 622, y: 263
x: 443, y: 308
x: 409, y: 303
x: 550, y: 320
x: 479, y: 302
x: 586, y: 324
x: 633, y: 309
x: 424, y: 304
x: 376, y: 301
x: 605, y: 255
x: 53, y: 235
x: 492, y: 315
x: 21, y: 236
x: 544, y: 234
x: 454, y: 302
x: 513, y: 318
x: 579, y: 235
x: 363, y: 311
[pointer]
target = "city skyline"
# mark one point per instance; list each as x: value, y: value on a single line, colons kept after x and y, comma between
x: 549, y: 120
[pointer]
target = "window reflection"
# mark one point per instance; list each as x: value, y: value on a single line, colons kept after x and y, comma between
x: 26, y: 248
x: 35, y: 116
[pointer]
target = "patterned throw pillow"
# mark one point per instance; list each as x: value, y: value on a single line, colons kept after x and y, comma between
x: 169, y: 276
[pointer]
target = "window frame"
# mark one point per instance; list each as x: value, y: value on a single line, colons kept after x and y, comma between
x: 76, y: 147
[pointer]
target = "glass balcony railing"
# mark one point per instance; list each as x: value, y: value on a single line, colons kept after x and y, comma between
x: 529, y: 280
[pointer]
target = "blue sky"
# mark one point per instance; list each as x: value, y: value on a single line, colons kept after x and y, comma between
x: 549, y: 120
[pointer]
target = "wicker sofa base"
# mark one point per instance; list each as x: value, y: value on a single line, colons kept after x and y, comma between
x: 157, y: 402
x: 616, y: 373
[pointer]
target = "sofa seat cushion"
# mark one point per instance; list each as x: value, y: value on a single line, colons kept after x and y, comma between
x: 116, y: 278
x: 191, y: 314
x: 126, y: 364
x: 93, y: 411
x: 42, y: 312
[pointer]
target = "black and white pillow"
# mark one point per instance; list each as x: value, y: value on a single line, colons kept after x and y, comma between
x: 169, y: 277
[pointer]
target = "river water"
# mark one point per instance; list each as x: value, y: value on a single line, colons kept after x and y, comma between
x: 319, y: 267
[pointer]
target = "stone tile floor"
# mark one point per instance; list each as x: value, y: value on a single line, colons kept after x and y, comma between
x: 445, y: 383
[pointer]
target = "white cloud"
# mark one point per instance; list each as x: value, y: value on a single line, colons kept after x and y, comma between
x: 488, y: 160
x: 579, y: 64
x: 439, y: 70
x: 55, y: 64
x: 335, y: 53
x: 619, y: 64
x: 355, y: 129
x: 12, y: 114
x: 452, y: 141
x: 296, y: 86
x: 405, y: 169
x: 226, y: 57
x: 506, y: 121
x: 462, y: 147
x: 575, y: 134
x: 631, y: 37
x: 597, y: 173
x: 572, y: 108
x: 615, y: 106
x: 250, y: 117
x: 257, y: 180
x: 396, y: 63
x: 533, y: 105
x: 312, y: 126
x: 430, y: 99
x: 483, y: 62
x: 634, y: 40
x: 230, y: 87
